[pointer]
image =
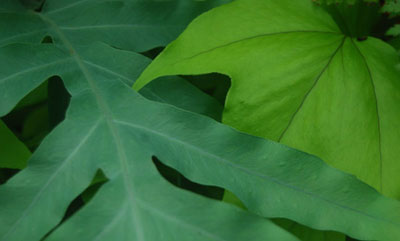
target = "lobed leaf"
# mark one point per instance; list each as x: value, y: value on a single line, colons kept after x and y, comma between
x: 91, y: 138
x: 81, y: 22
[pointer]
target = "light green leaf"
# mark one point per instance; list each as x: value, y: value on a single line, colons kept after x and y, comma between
x: 298, y: 80
x: 13, y: 153
x: 349, y: 2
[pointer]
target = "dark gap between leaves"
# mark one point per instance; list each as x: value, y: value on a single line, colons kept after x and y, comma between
x: 178, y: 180
x: 82, y: 199
x: 47, y: 40
x: 153, y: 53
x: 39, y: 112
x: 35, y: 5
x: 6, y: 174
x: 214, y: 84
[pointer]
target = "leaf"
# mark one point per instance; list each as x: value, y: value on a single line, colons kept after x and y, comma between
x: 95, y: 152
x: 37, y: 97
x: 394, y: 31
x: 298, y: 80
x: 305, y: 233
x: 118, y: 23
x: 35, y: 127
x: 300, y: 231
x: 350, y: 2
x: 13, y: 153
x: 392, y: 7
x: 10, y: 5
x: 66, y: 161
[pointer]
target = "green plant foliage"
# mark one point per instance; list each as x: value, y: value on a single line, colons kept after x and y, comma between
x: 299, y: 81
x: 392, y: 7
x: 349, y: 2
x: 107, y: 155
x: 91, y: 138
x: 114, y: 22
x: 16, y: 154
x: 183, y: 95
x: 102, y: 131
x: 394, y: 31
x: 301, y: 231
x: 80, y: 22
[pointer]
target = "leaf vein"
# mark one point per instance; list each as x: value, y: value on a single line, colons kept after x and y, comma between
x: 311, y: 89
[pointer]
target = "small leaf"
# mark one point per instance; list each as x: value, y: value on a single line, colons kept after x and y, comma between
x: 13, y: 153
x: 392, y: 7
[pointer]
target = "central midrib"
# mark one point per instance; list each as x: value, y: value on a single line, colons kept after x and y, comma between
x: 109, y: 120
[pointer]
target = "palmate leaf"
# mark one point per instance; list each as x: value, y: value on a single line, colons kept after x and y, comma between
x: 110, y: 127
x: 136, y: 203
x: 298, y: 80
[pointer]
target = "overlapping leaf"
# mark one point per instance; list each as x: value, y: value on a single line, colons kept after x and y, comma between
x: 298, y: 80
x: 136, y: 203
x: 111, y: 127
x: 119, y: 135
